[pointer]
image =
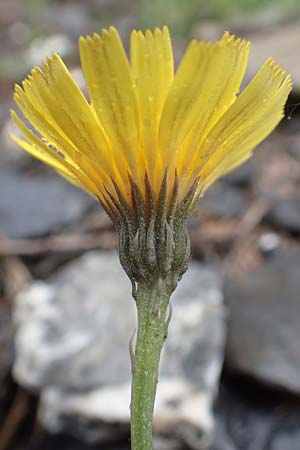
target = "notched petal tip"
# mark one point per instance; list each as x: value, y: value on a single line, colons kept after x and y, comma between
x: 113, y: 30
x: 137, y: 35
x: 104, y: 32
x: 50, y: 62
x: 233, y: 40
x: 157, y: 32
x: 26, y: 83
x: 151, y: 34
x: 278, y: 73
x: 17, y: 89
x: 82, y: 40
x: 288, y: 81
x: 275, y: 68
x: 12, y: 113
x: 92, y: 41
x: 35, y: 72
x: 89, y: 40
x: 109, y: 34
x: 45, y: 66
x: 194, y: 43
x: 96, y: 38
x: 227, y: 37
x: 55, y: 57
x: 148, y: 34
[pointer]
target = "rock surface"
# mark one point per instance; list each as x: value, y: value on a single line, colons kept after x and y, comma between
x: 241, y: 177
x: 72, y: 339
x: 251, y: 417
x: 37, y: 205
x: 285, y: 214
x: 264, y: 329
x: 223, y: 200
x: 282, y: 43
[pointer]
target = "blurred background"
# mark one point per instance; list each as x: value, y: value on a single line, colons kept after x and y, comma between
x: 230, y: 375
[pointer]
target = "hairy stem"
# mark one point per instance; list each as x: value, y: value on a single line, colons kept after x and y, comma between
x: 152, y: 299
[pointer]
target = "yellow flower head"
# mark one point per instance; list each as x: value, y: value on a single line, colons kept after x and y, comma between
x: 143, y: 121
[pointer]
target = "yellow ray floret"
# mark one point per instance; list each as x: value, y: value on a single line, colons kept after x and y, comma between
x: 141, y: 119
x: 152, y: 69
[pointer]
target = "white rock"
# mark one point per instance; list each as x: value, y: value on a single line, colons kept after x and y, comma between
x: 72, y: 337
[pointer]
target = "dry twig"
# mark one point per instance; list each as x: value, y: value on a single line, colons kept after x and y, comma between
x: 57, y: 244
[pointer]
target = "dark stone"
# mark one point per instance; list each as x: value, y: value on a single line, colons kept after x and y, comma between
x: 6, y: 353
x: 285, y: 214
x: 34, y: 206
x: 66, y: 442
x: 250, y: 417
x: 287, y: 440
x: 240, y: 177
x: 264, y: 327
x: 223, y: 200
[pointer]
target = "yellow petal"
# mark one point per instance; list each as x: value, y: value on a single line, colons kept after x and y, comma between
x: 141, y: 119
x: 53, y: 103
x: 230, y: 164
x: 74, y: 176
x: 152, y: 71
x: 40, y: 150
x: 107, y: 73
x: 37, y: 148
x: 205, y: 86
x: 57, y: 139
x: 250, y: 120
x: 68, y: 107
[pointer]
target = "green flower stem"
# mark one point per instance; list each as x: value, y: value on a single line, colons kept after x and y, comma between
x: 152, y: 299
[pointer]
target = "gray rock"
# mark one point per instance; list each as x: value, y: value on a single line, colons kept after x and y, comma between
x: 250, y: 417
x: 38, y: 205
x: 245, y: 25
x: 264, y: 330
x: 286, y: 441
x: 240, y: 177
x: 271, y: 32
x: 71, y: 17
x: 72, y: 337
x: 223, y: 200
x: 10, y: 153
x: 281, y: 43
x: 285, y: 214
